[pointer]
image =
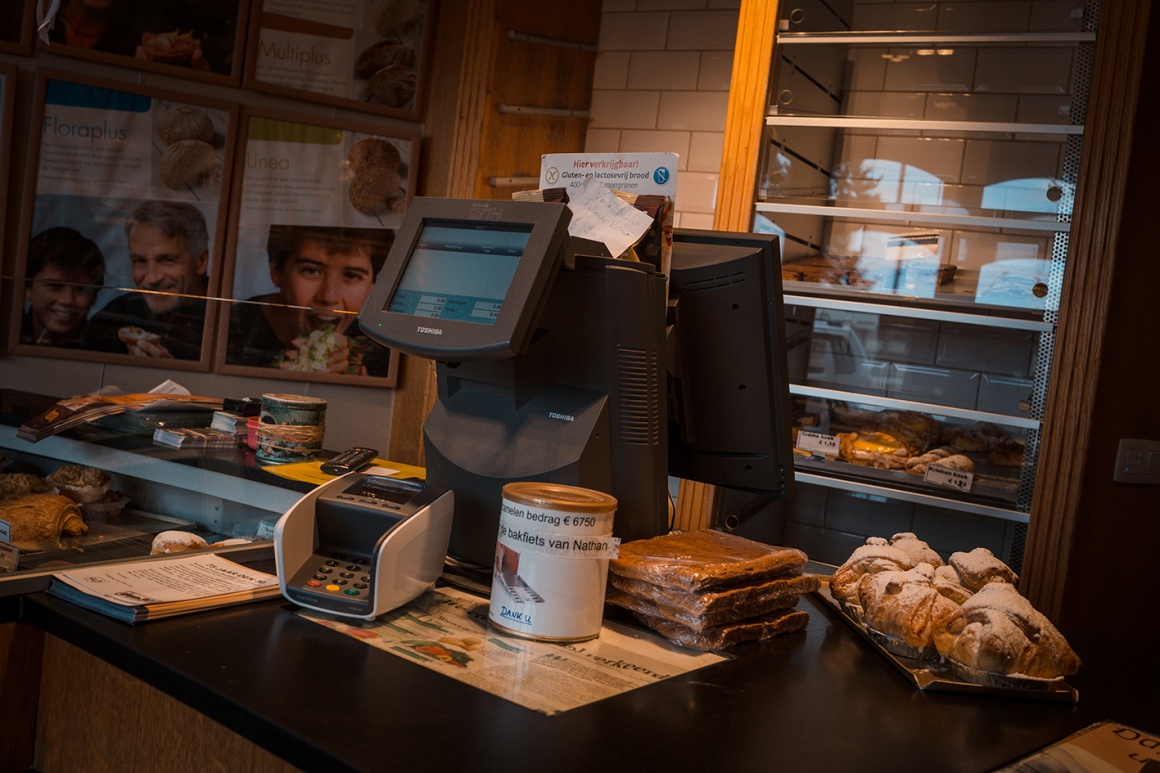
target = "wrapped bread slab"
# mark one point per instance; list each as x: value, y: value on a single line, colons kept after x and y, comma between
x: 697, y: 561
x: 720, y: 605
x: 40, y: 517
x: 694, y: 622
x: 759, y: 628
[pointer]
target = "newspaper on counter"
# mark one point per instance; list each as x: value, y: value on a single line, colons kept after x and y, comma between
x: 446, y: 630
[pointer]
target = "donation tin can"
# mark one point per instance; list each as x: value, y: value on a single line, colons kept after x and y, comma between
x: 551, y: 561
x: 290, y: 428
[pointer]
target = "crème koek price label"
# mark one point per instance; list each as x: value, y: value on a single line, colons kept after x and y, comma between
x: 640, y: 173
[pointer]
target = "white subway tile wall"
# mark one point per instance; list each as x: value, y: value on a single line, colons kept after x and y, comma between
x: 662, y: 85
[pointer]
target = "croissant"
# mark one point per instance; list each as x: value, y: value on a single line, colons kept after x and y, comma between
x: 998, y: 631
x: 873, y: 557
x: 904, y: 605
x: 38, y: 517
x: 980, y: 567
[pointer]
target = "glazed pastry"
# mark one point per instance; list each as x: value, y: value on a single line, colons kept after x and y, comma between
x: 998, y: 631
x: 1008, y: 454
x: 877, y: 555
x: 176, y: 542
x: 947, y: 582
x: 980, y: 567
x: 980, y: 436
x: 872, y: 449
x: 916, y: 431
x: 12, y: 483
x: 905, y: 607
x: 918, y: 550
x: 37, y: 517
x: 952, y: 462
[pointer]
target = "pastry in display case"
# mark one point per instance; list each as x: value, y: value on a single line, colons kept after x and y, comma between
x: 73, y: 500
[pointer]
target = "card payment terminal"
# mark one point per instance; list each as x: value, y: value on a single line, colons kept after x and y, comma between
x: 363, y: 544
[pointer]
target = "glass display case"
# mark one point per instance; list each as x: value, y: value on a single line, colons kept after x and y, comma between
x: 216, y: 494
x: 920, y: 164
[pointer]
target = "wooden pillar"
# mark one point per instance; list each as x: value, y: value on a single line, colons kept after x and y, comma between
x: 1066, y: 439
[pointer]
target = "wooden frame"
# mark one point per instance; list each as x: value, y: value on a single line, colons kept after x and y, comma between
x: 347, y: 54
x: 8, y: 76
x: 106, y: 147
x: 327, y: 182
x: 155, y: 35
x: 16, y: 28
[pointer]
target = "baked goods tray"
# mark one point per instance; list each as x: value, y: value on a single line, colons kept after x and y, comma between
x: 934, y: 676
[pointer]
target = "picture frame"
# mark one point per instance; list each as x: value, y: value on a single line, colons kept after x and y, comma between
x: 16, y: 28
x: 8, y: 81
x: 202, y: 40
x: 314, y: 209
x: 126, y: 202
x: 370, y: 57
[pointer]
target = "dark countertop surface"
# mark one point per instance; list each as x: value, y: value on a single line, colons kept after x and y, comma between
x: 821, y: 699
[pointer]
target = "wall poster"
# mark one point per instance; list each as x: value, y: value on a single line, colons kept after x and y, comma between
x: 199, y: 39
x: 124, y: 213
x: 315, y: 209
x: 363, y: 55
x: 16, y: 27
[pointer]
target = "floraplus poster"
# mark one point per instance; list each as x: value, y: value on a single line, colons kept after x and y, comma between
x: 124, y: 177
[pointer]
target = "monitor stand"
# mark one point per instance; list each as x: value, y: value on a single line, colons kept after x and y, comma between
x: 583, y: 406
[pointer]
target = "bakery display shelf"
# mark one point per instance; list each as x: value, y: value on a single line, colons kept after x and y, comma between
x: 830, y: 121
x: 931, y: 39
x: 960, y: 292
x: 127, y: 535
x: 936, y: 676
x: 914, y: 497
x: 915, y: 308
x: 991, y: 488
x: 931, y: 409
x: 905, y: 215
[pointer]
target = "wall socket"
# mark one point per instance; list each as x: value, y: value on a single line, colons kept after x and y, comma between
x: 1138, y: 461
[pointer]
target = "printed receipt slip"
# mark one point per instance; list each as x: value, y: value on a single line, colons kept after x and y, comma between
x: 163, y: 587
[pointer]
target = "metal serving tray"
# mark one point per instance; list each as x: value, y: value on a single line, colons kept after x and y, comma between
x: 933, y: 675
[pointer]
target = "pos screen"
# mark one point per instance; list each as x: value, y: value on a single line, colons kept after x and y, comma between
x: 460, y: 271
x: 466, y: 279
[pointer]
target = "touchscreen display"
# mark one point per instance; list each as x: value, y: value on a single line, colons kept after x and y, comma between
x: 460, y: 271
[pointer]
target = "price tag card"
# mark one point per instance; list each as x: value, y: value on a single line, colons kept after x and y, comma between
x: 817, y: 443
x: 9, y: 557
x: 945, y: 476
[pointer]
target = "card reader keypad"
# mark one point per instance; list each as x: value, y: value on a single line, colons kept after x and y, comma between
x: 340, y: 575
